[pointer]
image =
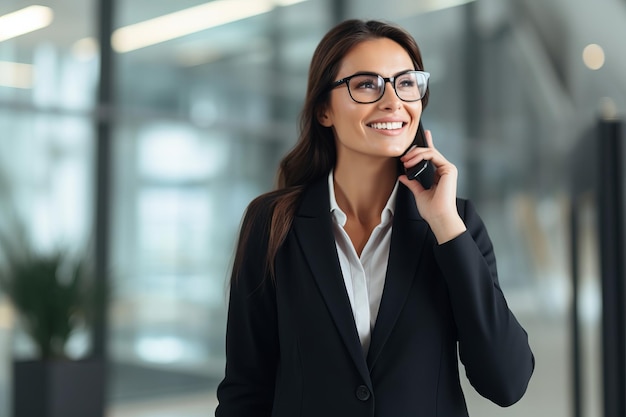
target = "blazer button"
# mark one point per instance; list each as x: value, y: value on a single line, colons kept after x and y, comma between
x: 362, y: 393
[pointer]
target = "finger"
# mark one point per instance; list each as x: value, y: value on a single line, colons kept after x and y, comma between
x: 412, y: 185
x: 412, y: 161
x: 429, y: 138
x: 415, y: 152
x: 430, y: 154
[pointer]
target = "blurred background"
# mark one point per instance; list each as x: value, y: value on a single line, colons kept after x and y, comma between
x: 138, y: 130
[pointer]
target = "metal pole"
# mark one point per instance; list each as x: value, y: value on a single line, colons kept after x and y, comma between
x: 103, y: 174
x: 339, y: 10
x: 577, y: 374
x: 611, y: 225
x: 472, y: 93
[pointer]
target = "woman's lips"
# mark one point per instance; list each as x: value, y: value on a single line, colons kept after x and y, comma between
x: 386, y: 125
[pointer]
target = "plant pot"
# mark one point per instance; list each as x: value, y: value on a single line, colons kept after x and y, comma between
x: 58, y: 388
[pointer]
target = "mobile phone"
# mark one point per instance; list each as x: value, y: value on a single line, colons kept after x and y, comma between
x: 424, y: 171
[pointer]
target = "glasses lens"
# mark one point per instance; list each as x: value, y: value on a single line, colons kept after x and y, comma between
x: 366, y: 88
x: 411, y: 86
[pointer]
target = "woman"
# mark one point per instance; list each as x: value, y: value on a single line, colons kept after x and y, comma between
x: 352, y: 285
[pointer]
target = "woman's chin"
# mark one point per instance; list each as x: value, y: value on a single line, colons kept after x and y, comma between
x: 398, y: 150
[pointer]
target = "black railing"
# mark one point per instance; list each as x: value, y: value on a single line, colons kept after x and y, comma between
x: 597, y: 170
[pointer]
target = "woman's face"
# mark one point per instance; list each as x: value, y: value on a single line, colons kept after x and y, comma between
x: 382, y: 129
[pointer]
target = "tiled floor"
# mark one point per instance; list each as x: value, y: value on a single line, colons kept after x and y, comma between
x: 548, y: 393
x: 197, y: 405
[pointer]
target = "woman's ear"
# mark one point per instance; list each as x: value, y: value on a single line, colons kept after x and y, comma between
x: 323, y: 118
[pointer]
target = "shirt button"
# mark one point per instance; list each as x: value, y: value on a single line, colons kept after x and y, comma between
x: 362, y: 393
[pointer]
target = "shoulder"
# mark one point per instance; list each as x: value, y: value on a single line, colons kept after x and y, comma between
x: 463, y: 204
x: 267, y: 200
x: 270, y: 213
x: 265, y: 224
x: 467, y: 211
x: 263, y: 206
x: 475, y: 224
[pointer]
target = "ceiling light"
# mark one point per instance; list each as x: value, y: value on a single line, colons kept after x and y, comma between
x: 188, y: 21
x: 85, y: 49
x: 24, y: 21
x: 593, y: 56
x: 16, y: 75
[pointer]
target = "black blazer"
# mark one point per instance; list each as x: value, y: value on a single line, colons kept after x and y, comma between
x: 293, y: 350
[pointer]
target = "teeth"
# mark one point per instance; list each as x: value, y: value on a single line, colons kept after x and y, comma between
x: 387, y: 125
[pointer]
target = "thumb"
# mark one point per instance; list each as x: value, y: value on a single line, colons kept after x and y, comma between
x: 412, y: 185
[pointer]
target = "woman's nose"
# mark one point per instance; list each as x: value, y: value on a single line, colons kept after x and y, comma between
x: 390, y: 99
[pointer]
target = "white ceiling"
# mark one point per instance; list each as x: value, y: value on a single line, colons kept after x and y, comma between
x: 76, y: 19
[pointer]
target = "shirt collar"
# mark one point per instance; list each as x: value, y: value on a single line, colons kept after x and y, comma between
x: 341, y: 218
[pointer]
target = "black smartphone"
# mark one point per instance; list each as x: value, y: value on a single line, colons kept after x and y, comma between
x: 424, y: 171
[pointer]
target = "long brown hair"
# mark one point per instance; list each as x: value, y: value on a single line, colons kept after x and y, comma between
x: 314, y: 155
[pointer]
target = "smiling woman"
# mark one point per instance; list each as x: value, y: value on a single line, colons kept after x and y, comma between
x: 370, y: 109
x: 354, y: 288
x: 196, y: 124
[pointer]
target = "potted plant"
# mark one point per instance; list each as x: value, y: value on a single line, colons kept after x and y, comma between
x: 53, y: 295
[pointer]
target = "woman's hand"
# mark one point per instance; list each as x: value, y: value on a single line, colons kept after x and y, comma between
x: 436, y: 205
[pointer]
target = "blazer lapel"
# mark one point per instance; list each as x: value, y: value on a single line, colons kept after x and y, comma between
x: 313, y: 227
x: 407, y: 237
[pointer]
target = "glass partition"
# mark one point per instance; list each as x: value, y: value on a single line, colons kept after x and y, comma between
x: 48, y: 79
x: 203, y: 121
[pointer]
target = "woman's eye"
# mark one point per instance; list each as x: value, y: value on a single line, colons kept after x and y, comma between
x: 366, y: 84
x: 406, y: 83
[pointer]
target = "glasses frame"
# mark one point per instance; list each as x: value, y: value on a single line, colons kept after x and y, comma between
x: 391, y: 80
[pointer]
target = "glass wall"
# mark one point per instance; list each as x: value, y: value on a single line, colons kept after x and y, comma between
x: 203, y: 121
x: 204, y: 107
x: 48, y: 80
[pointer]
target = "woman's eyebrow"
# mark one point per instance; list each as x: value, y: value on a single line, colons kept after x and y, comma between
x: 376, y: 73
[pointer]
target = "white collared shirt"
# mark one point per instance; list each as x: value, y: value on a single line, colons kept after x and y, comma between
x: 363, y: 277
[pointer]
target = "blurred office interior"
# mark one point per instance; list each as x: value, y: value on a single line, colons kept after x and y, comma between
x: 146, y: 151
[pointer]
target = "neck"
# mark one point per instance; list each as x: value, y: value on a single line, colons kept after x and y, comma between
x: 363, y: 191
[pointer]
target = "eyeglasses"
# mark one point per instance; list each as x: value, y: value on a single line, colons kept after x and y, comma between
x: 367, y: 87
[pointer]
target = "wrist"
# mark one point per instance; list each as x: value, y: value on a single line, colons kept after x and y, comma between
x: 447, y: 228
